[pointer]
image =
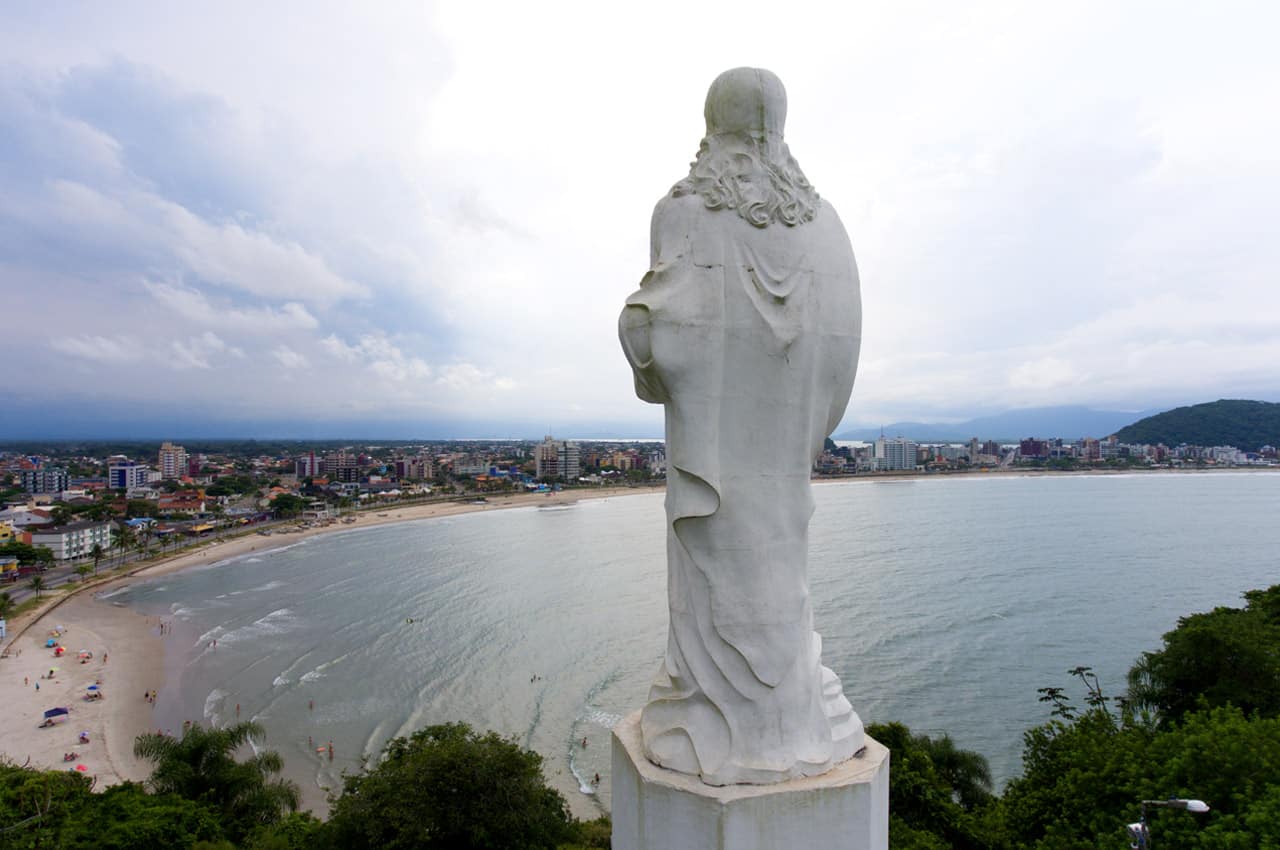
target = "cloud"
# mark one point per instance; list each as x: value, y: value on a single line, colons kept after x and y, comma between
x: 254, y: 262
x: 382, y: 357
x: 288, y: 358
x: 195, y: 352
x: 192, y: 305
x: 348, y: 194
x: 100, y: 349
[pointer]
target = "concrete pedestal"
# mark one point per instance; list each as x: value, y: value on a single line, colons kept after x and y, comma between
x: 657, y: 809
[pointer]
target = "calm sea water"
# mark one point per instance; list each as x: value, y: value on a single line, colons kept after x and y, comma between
x: 943, y: 603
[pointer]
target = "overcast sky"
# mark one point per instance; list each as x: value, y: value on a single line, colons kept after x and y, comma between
x: 414, y: 218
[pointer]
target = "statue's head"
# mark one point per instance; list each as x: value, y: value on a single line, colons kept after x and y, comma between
x: 750, y: 101
x: 743, y: 164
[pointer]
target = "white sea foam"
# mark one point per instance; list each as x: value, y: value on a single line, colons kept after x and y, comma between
x: 311, y: 676
x: 280, y: 682
x: 253, y: 560
x: 211, y: 704
x: 601, y: 718
x: 276, y: 623
x: 111, y: 593
x: 271, y: 585
x: 209, y: 635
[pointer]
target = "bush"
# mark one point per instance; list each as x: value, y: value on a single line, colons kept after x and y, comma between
x: 450, y: 787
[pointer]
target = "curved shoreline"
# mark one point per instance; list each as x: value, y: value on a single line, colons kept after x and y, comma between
x: 137, y: 649
x: 132, y: 644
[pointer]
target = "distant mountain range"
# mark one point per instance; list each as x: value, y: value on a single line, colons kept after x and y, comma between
x: 1247, y: 425
x: 1070, y: 422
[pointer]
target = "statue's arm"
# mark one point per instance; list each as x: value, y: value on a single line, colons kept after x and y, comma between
x: 668, y: 241
x: 852, y: 296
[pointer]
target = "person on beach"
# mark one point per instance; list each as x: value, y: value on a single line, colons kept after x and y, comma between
x: 330, y: 749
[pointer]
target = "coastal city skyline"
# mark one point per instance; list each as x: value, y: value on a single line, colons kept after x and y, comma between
x: 307, y: 235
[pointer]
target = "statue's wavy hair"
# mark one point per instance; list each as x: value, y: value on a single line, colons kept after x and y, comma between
x: 736, y: 171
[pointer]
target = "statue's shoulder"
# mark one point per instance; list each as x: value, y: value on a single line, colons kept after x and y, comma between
x: 673, y: 206
x: 828, y: 223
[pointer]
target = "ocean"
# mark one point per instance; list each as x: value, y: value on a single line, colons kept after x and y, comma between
x: 943, y: 602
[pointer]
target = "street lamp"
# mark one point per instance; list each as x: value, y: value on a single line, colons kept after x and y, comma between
x: 1140, y: 835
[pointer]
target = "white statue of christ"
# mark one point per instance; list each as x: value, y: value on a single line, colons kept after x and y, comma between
x: 747, y: 328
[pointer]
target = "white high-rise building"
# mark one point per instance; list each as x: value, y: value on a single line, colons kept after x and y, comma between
x: 896, y: 453
x: 557, y: 459
x: 127, y: 475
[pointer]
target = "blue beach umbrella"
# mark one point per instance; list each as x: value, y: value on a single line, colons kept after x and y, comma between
x: 92, y: 688
x: 56, y: 712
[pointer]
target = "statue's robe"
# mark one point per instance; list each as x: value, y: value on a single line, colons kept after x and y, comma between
x: 749, y: 336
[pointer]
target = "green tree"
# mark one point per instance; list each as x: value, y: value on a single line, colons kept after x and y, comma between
x: 124, y: 540
x: 1226, y: 656
x: 450, y: 787
x: 96, y: 553
x: 36, y: 584
x: 6, y: 604
x: 27, y: 554
x: 125, y: 817
x: 925, y: 802
x: 288, y: 505
x: 35, y: 804
x: 83, y: 571
x: 201, y: 766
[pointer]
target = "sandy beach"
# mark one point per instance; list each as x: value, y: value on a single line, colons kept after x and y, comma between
x: 128, y: 650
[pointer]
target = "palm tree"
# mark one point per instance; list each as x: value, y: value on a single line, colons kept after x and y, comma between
x: 96, y: 553
x: 201, y: 765
x: 124, y: 541
x: 965, y: 771
x: 37, y: 584
x: 6, y: 604
x: 83, y: 571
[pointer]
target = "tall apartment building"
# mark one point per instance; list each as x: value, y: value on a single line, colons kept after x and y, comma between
x: 417, y: 468
x: 49, y: 479
x: 557, y: 459
x: 173, y: 461
x: 337, y: 464
x: 307, y: 466
x: 895, y: 453
x: 127, y: 475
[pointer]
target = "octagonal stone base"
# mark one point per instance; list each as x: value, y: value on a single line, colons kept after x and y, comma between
x: 658, y: 809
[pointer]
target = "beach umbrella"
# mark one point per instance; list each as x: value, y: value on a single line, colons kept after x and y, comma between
x: 84, y: 653
x: 56, y: 712
x: 92, y: 688
x: 82, y: 768
x: 51, y: 642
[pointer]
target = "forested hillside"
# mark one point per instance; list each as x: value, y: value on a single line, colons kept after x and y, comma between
x: 1247, y: 425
